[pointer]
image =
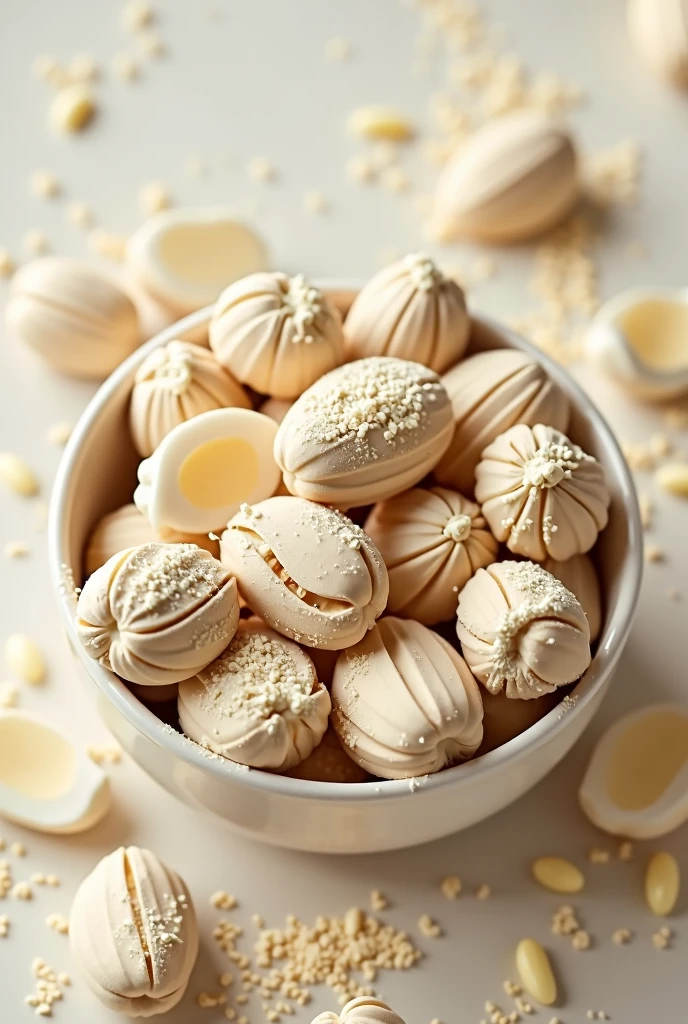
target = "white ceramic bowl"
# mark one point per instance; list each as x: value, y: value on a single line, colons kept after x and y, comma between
x: 98, y: 474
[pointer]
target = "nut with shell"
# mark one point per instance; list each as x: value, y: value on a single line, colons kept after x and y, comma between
x: 489, y: 393
x: 412, y: 311
x: 278, y: 334
x: 521, y: 630
x: 133, y: 933
x: 404, y: 701
x: 306, y: 570
x: 541, y: 494
x: 173, y: 384
x: 432, y: 541
x: 158, y: 613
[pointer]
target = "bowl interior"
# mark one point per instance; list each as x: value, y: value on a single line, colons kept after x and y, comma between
x: 98, y: 475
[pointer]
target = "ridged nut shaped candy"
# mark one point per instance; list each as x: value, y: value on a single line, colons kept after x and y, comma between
x: 363, y: 432
x: 362, y: 1010
x: 259, y: 703
x: 306, y: 570
x: 541, y: 494
x: 404, y: 701
x: 173, y: 384
x: 432, y: 541
x: 490, y: 392
x: 409, y: 310
x: 158, y: 613
x: 521, y: 630
x: 278, y: 334
x: 133, y: 933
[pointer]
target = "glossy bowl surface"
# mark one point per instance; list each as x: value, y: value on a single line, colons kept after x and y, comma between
x: 98, y: 473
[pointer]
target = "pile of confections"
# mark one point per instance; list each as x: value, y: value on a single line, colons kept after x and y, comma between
x: 354, y: 551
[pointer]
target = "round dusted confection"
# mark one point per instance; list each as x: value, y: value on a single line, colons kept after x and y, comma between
x: 489, y: 393
x: 578, y: 574
x: 541, y: 494
x: 278, y: 334
x: 259, y: 704
x: 306, y: 570
x: 158, y: 613
x: 412, y: 311
x: 173, y: 384
x: 365, y: 431
x: 404, y: 702
x: 126, y: 527
x: 432, y: 541
x: 521, y: 630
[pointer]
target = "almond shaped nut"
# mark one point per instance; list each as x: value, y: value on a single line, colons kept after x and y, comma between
x: 72, y: 108
x: 364, y: 432
x: 17, y: 476
x: 278, y: 334
x: 489, y: 393
x: 381, y: 123
x: 409, y: 310
x: 361, y: 1010
x: 77, y: 319
x: 158, y: 613
x: 133, y: 933
x: 662, y: 883
x: 673, y: 477
x: 24, y: 659
x: 514, y: 178
x: 535, y: 971
x: 306, y: 570
x: 558, y: 874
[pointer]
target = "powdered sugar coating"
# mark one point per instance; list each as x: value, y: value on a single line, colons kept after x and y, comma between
x: 521, y: 630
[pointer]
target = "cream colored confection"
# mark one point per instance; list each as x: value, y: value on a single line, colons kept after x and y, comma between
x: 659, y: 32
x: 329, y: 762
x: 259, y: 703
x: 205, y: 468
x: 306, y: 570
x: 489, y: 393
x: 126, y: 527
x: 512, y: 179
x: 432, y: 541
x: 361, y: 1010
x: 366, y: 431
x: 521, y: 630
x: 76, y: 318
x: 404, y: 702
x: 158, y: 613
x: 133, y: 933
x: 175, y: 383
x: 541, y: 494
x: 185, y: 257
x: 578, y: 574
x: 277, y: 334
x: 412, y: 311
x: 47, y: 782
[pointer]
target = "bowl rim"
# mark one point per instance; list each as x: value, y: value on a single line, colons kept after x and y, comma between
x: 147, y: 723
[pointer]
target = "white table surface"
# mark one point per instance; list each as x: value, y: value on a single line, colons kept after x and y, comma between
x: 242, y: 80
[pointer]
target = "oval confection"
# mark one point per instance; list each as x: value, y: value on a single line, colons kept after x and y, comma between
x: 521, y: 630
x: 512, y: 179
x: 77, y: 319
x: 412, y: 311
x: 432, y: 541
x: 404, y: 702
x: 306, y: 570
x: 489, y: 393
x: 133, y: 933
x: 173, y: 384
x: 541, y: 494
x: 259, y: 704
x: 158, y: 613
x: 361, y: 1010
x: 275, y: 333
x: 365, y: 431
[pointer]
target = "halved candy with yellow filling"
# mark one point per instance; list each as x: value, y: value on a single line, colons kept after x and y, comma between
x: 206, y: 468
